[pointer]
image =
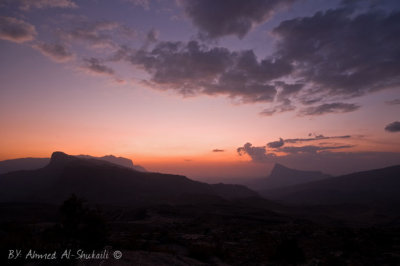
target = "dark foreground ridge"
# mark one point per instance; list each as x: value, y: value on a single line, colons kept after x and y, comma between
x: 160, y: 219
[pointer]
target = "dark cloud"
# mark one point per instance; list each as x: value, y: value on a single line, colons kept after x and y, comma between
x: 393, y: 127
x: 311, y: 148
x: 316, y: 137
x: 341, y: 53
x: 257, y: 154
x: 330, y: 57
x: 230, y: 17
x: 393, y: 102
x: 16, y: 30
x: 261, y: 154
x: 57, y: 52
x: 329, y: 108
x: 218, y: 150
x: 192, y: 68
x: 95, y: 66
x: 41, y: 4
x: 276, y: 144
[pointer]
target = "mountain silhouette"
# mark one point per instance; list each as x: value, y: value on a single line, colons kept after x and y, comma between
x: 282, y: 176
x: 100, y: 181
x: 36, y: 163
x: 379, y: 185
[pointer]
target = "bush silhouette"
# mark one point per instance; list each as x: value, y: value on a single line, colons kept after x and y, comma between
x: 82, y: 227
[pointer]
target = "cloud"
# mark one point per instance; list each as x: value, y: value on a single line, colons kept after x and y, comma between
x: 288, y: 89
x: 193, y: 68
x: 56, y: 52
x: 393, y: 127
x: 41, y: 4
x: 257, y: 154
x: 97, y: 34
x: 276, y: 144
x: 151, y: 38
x: 316, y: 137
x: 393, y: 102
x: 95, y: 66
x: 329, y: 108
x: 333, y: 162
x: 340, y: 53
x: 218, y: 150
x: 235, y: 17
x: 285, y: 106
x: 329, y: 58
x: 311, y: 148
x: 267, y: 152
x: 142, y: 3
x: 16, y: 30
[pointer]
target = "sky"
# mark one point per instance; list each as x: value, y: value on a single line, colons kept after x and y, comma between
x: 203, y: 88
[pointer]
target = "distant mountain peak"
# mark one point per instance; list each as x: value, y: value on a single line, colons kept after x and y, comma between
x: 279, y: 166
x: 284, y: 176
x: 60, y: 158
x: 59, y: 155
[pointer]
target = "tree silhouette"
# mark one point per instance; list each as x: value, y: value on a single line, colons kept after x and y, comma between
x: 82, y: 227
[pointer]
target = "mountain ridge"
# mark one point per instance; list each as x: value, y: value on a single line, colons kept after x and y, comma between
x: 31, y: 163
x: 283, y: 176
x: 359, y: 187
x: 104, y: 182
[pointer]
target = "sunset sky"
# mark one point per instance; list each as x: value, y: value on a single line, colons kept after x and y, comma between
x: 207, y: 88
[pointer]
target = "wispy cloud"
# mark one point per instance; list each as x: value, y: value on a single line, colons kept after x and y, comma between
x: 393, y: 102
x: 329, y: 108
x: 93, y: 33
x: 16, y: 30
x: 41, y: 4
x: 55, y: 51
x: 96, y: 67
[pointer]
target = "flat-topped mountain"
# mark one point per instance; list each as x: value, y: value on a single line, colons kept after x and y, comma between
x: 101, y: 181
x: 36, y: 163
